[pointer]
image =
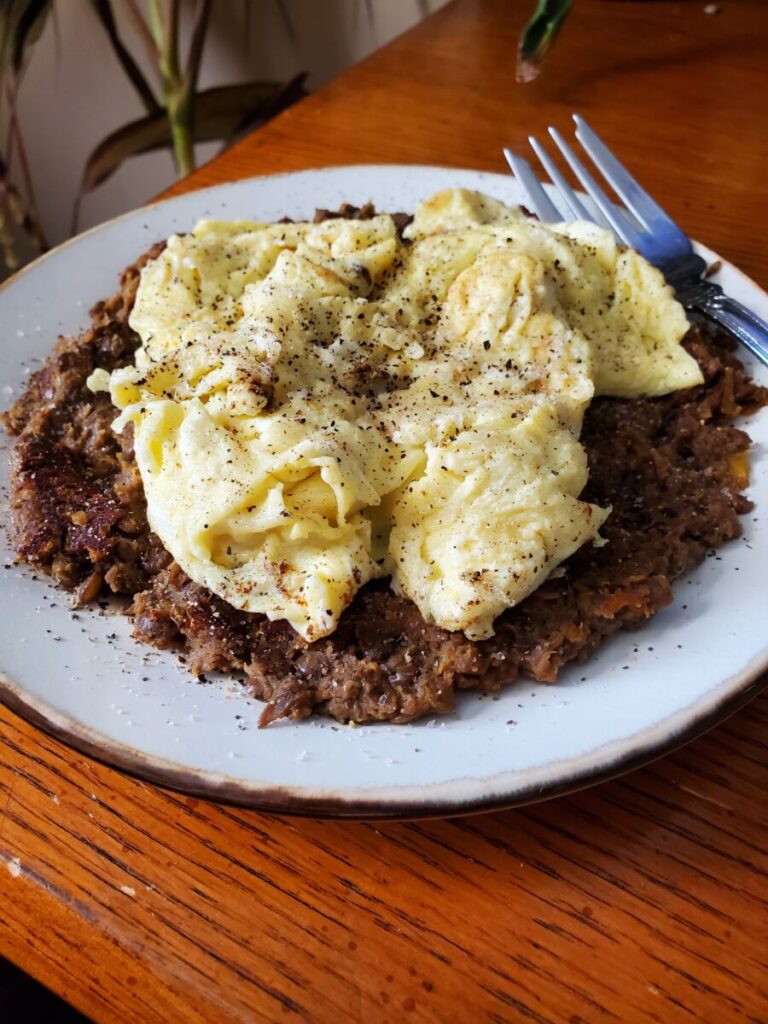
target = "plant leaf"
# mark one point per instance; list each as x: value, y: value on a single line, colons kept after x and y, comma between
x: 105, y: 14
x: 30, y: 28
x: 288, y: 25
x: 195, y: 55
x: 141, y: 136
x: 538, y: 36
x: 21, y: 24
x: 19, y: 212
x: 140, y: 24
x: 219, y: 113
x: 289, y: 94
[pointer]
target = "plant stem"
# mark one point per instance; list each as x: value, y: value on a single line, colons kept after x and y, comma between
x: 171, y: 39
x: 538, y: 36
x: 178, y: 88
x: 183, y: 88
x: 183, y: 142
x: 30, y: 216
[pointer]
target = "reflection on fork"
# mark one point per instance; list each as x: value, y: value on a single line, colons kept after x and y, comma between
x: 639, y: 223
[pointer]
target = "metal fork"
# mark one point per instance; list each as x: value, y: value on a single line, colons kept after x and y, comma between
x: 640, y: 223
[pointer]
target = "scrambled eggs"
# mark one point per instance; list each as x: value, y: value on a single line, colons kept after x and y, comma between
x: 316, y: 405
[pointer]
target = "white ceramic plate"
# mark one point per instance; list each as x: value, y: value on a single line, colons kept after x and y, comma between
x: 86, y: 680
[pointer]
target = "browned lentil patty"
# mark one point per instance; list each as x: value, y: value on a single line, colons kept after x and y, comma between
x: 672, y: 468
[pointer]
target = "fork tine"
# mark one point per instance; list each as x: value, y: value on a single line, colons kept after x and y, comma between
x: 643, y: 206
x: 567, y: 194
x: 607, y: 214
x: 542, y: 205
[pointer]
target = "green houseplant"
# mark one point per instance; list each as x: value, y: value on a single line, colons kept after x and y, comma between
x: 539, y: 35
x: 21, y: 235
x: 177, y: 114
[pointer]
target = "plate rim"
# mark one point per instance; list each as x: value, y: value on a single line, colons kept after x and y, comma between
x: 661, y: 738
x: 292, y: 802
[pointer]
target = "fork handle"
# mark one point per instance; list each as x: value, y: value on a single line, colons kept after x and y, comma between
x: 747, y: 326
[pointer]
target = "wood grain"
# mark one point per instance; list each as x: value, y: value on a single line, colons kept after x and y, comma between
x: 642, y: 899
x: 645, y: 899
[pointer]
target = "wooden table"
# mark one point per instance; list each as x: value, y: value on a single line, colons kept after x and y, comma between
x: 641, y: 900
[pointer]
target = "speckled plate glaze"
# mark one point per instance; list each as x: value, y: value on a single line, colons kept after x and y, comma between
x: 83, y: 678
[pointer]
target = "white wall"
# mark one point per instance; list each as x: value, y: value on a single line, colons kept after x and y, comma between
x: 75, y: 93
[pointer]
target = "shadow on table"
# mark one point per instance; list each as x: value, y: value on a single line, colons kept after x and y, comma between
x: 24, y: 999
x: 576, y: 87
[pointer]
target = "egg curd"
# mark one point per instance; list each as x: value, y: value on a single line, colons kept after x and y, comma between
x: 316, y: 405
